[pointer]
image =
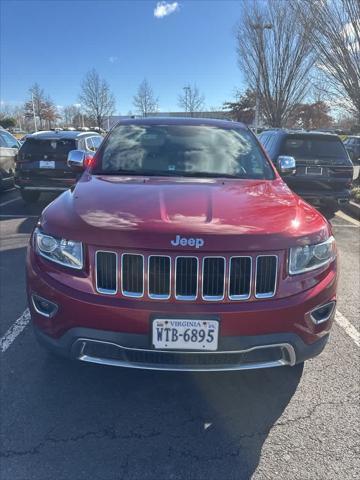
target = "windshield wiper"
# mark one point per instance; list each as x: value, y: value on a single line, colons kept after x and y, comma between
x: 168, y: 173
x: 209, y: 175
x: 140, y: 173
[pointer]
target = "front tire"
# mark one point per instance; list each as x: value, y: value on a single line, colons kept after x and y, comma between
x: 30, y: 196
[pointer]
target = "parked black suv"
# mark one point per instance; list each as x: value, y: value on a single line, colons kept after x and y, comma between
x: 324, y: 170
x: 41, y: 164
x: 352, y: 145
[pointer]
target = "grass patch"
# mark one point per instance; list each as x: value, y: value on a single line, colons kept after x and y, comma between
x: 355, y: 194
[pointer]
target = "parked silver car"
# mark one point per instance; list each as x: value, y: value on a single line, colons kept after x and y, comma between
x: 9, y: 147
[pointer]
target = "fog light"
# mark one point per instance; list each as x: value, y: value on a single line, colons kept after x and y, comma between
x: 44, y: 307
x: 323, y: 313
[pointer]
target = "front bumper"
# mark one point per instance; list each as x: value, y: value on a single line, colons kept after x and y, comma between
x: 323, y: 197
x: 131, y: 350
x: 43, y: 183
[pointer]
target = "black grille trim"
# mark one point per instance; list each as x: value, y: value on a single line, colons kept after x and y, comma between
x: 132, y: 275
x: 213, y: 278
x: 266, y: 276
x: 106, y: 272
x: 240, y: 278
x: 159, y: 277
x: 184, y: 285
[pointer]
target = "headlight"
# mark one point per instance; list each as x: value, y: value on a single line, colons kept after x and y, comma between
x: 310, y: 257
x: 59, y: 250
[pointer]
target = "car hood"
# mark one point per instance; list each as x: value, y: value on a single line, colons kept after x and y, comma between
x: 146, y: 213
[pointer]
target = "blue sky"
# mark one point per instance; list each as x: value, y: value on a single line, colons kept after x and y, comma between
x: 56, y: 42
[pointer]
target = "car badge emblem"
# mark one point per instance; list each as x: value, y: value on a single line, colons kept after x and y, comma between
x: 187, y: 242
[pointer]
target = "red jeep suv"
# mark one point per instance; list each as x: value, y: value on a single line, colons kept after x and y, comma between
x: 181, y: 248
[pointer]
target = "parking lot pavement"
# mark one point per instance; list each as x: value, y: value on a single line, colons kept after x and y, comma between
x: 67, y: 420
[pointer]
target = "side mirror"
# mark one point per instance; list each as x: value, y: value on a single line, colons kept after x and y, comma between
x: 76, y: 160
x: 286, y: 165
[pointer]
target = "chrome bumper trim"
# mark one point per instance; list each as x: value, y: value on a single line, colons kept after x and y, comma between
x: 44, y: 189
x: 289, y: 358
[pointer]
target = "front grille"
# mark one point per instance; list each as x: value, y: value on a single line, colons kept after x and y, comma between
x: 132, y: 275
x: 266, y: 273
x: 213, y: 283
x: 106, y: 272
x: 194, y: 278
x: 159, y: 277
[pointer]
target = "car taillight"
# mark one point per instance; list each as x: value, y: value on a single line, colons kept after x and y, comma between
x: 89, y: 161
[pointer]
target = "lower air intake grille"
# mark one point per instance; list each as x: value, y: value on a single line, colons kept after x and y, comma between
x: 133, y: 275
x: 106, y: 272
x: 266, y: 272
x: 213, y: 278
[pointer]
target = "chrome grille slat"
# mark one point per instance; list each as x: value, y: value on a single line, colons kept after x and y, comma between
x: 266, y: 276
x: 186, y: 278
x: 213, y: 278
x: 240, y: 272
x: 132, y: 275
x: 159, y: 273
x: 106, y: 272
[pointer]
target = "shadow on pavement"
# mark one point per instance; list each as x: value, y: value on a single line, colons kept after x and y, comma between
x: 164, y: 425
x: 27, y: 225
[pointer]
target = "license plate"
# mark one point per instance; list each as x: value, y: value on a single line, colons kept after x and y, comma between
x: 47, y: 164
x: 185, y: 334
x: 314, y: 170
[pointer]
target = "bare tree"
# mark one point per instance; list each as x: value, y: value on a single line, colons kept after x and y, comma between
x: 50, y: 113
x: 242, y: 109
x: 13, y: 111
x: 37, y: 104
x: 275, y: 56
x: 335, y: 34
x: 191, y: 100
x: 96, y: 97
x: 69, y: 112
x: 144, y: 101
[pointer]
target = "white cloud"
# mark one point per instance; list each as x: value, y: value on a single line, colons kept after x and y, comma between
x: 112, y: 59
x: 163, y: 9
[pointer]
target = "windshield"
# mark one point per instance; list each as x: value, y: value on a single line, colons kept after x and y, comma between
x: 313, y: 147
x: 183, y: 150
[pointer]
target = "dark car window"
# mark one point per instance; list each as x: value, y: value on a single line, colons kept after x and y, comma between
x: 188, y: 150
x: 271, y: 142
x: 96, y: 142
x: 264, y: 138
x: 93, y: 143
x: 313, y: 147
x: 56, y: 149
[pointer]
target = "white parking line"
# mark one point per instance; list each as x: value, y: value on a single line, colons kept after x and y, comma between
x: 13, y: 200
x: 337, y: 225
x: 348, y: 327
x: 16, y: 328
x: 343, y: 215
x: 21, y: 323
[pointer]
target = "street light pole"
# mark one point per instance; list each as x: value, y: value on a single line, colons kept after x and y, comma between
x: 32, y: 99
x: 259, y: 28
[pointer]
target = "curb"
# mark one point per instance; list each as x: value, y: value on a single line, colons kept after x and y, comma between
x: 352, y: 209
